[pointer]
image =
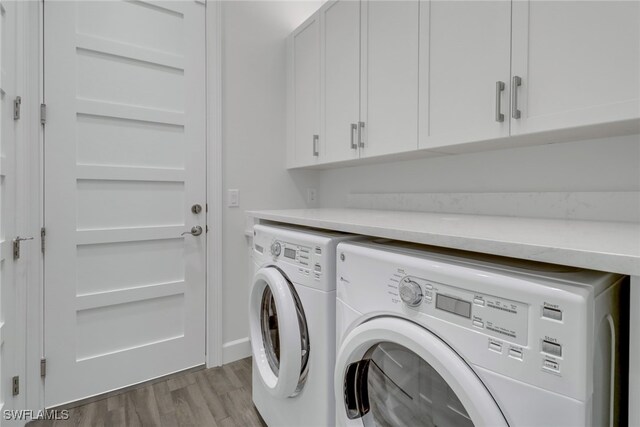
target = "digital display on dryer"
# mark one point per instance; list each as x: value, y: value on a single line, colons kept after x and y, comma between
x: 290, y: 253
x: 453, y: 305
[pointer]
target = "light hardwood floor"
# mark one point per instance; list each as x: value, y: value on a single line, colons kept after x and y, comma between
x: 207, y: 397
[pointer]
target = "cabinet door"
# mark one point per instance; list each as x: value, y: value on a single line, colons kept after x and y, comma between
x: 465, y: 51
x: 340, y: 89
x: 304, y: 93
x: 389, y: 85
x: 579, y: 62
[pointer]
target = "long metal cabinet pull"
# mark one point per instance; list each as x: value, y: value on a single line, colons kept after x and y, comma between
x: 517, y: 82
x: 315, y: 145
x: 354, y: 129
x: 361, y: 134
x: 499, y: 89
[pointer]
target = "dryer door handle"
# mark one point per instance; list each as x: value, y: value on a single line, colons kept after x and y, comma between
x: 356, y: 392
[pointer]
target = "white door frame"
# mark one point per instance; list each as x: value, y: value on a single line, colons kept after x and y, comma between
x: 31, y: 53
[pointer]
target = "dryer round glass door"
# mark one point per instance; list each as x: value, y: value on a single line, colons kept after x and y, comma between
x: 279, y: 335
x: 403, y: 389
x: 393, y: 372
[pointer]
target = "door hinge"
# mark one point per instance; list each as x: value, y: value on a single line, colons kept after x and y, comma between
x: 43, y: 234
x: 16, y: 249
x: 43, y: 113
x: 15, y: 385
x: 16, y: 245
x: 43, y: 367
x: 16, y: 108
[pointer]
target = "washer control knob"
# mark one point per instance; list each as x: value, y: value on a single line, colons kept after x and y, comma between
x: 276, y: 248
x: 410, y: 293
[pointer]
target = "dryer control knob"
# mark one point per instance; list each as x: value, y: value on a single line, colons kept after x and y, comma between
x: 276, y: 248
x: 410, y: 293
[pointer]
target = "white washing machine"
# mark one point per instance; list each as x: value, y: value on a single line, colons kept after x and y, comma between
x: 443, y: 338
x: 292, y: 323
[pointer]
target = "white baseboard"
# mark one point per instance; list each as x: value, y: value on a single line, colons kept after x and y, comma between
x: 236, y: 350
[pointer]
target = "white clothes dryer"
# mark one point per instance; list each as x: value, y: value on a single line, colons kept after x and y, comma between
x: 292, y: 324
x: 435, y: 337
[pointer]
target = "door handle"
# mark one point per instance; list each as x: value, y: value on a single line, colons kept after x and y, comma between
x: 195, y: 231
x: 315, y: 146
x: 354, y: 129
x: 499, y: 89
x: 517, y: 82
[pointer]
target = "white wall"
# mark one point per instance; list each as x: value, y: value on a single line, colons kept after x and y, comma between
x: 606, y: 165
x: 253, y: 138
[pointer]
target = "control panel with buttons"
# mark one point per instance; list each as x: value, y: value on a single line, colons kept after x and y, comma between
x: 307, y: 259
x: 504, y: 321
x: 305, y: 256
x: 497, y: 317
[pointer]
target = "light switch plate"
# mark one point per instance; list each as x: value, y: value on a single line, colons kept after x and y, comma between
x: 233, y: 198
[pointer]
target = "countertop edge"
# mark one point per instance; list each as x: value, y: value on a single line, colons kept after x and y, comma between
x: 611, y: 262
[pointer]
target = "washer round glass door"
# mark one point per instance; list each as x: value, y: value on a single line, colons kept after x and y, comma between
x: 279, y: 336
x: 392, y: 372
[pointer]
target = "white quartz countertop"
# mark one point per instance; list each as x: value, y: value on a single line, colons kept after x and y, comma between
x: 597, y: 245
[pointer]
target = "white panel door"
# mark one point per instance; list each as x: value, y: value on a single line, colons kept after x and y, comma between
x: 124, y: 163
x: 579, y: 62
x: 465, y: 50
x: 340, y: 85
x: 389, y: 89
x: 305, y: 92
x: 8, y: 339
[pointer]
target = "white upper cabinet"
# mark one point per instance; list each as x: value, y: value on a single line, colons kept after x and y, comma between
x: 579, y: 63
x: 464, y: 71
x: 340, y: 79
x: 304, y: 93
x: 389, y: 78
x: 444, y: 76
